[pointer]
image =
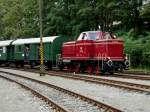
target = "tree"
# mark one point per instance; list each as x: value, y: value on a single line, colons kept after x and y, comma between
x: 19, y: 18
x: 130, y: 10
x: 145, y: 15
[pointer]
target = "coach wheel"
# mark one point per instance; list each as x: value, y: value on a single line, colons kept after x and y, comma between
x: 7, y: 64
x: 16, y: 64
x: 49, y: 65
x: 22, y: 65
x: 32, y: 64
x: 61, y: 67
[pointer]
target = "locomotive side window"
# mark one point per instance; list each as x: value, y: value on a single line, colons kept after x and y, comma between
x: 81, y: 37
x: 84, y: 36
x: 95, y: 35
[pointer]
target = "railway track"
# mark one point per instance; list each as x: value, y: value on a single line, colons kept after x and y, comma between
x: 109, y: 82
x: 137, y: 72
x: 127, y: 75
x: 69, y: 101
x: 132, y: 76
x: 51, y: 103
x: 119, y: 84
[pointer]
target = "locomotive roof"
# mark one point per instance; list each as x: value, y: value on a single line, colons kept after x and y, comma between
x: 5, y: 43
x: 34, y: 40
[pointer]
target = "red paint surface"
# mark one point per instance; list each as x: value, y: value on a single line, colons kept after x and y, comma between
x: 93, y: 49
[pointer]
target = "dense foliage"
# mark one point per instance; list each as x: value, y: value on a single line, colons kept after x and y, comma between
x: 129, y: 18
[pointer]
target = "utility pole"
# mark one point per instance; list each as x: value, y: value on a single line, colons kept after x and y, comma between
x: 42, y: 69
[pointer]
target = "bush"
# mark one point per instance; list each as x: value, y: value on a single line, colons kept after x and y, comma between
x: 138, y: 49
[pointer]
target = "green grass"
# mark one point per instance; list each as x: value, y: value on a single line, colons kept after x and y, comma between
x: 140, y: 69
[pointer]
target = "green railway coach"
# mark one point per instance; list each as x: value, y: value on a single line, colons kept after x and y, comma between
x: 5, y: 52
x: 27, y: 50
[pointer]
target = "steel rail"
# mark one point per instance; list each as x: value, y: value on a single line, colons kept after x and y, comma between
x: 120, y: 75
x: 137, y: 72
x: 51, y: 103
x: 105, y: 107
x: 132, y: 76
x: 109, y: 82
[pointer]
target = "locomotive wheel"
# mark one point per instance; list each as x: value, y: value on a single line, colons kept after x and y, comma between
x: 120, y: 69
x: 97, y: 70
x: 103, y: 72
x: 89, y: 69
x: 111, y: 73
x: 69, y: 68
x: 77, y: 68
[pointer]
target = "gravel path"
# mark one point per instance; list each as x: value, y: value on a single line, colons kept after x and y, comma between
x: 121, y: 99
x: 13, y: 98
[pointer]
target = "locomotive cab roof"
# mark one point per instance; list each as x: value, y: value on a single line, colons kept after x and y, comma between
x: 34, y: 40
x: 95, y: 35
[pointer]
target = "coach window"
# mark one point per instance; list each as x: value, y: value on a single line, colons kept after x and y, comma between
x: 18, y: 48
x: 4, y: 49
x: 1, y: 49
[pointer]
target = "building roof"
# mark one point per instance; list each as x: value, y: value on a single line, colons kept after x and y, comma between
x: 5, y: 43
x: 34, y: 40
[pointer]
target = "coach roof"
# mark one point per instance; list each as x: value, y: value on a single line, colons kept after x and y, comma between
x: 34, y: 40
x: 5, y: 43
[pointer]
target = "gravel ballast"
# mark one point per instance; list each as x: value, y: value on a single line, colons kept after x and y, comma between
x: 73, y: 104
x: 13, y: 98
x: 136, y: 81
x: 121, y: 99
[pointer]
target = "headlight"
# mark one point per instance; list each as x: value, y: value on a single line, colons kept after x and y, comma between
x: 22, y: 55
x: 109, y: 63
x: 126, y: 58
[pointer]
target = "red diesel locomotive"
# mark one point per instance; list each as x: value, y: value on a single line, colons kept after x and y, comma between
x: 94, y: 52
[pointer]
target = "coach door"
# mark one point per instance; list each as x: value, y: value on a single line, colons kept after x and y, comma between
x: 26, y: 52
x: 10, y: 53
